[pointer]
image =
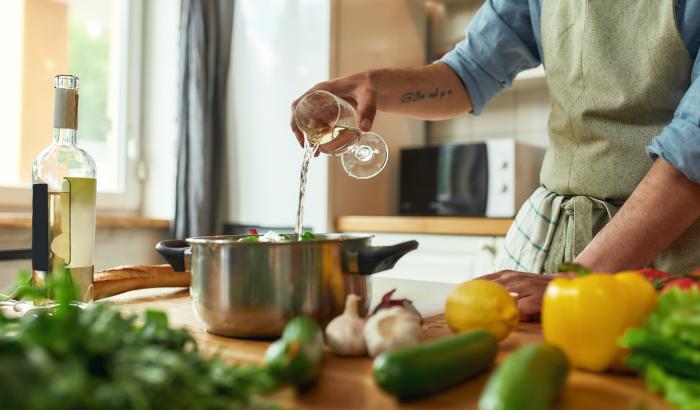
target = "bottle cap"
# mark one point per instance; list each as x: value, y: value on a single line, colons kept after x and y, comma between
x: 66, y: 81
x: 65, y: 108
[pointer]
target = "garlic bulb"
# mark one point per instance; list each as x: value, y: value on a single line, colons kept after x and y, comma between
x: 344, y: 334
x: 390, y: 329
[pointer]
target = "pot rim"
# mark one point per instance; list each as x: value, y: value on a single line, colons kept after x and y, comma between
x: 232, y: 240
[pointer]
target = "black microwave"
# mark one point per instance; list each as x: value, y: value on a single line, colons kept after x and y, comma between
x: 491, y: 178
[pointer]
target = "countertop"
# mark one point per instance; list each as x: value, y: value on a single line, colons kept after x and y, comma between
x: 347, y: 383
x: 446, y: 225
x: 23, y: 220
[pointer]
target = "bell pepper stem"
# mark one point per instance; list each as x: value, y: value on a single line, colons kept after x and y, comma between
x: 574, y: 268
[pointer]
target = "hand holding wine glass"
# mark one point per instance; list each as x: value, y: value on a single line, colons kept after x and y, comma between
x: 359, y: 89
x: 331, y: 124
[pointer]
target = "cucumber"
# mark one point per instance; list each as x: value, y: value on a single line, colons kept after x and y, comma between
x: 296, y: 357
x: 418, y: 371
x: 531, y: 378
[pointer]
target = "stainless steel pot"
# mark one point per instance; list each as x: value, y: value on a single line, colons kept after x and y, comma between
x: 251, y: 289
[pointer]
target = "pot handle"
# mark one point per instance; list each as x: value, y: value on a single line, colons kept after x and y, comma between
x: 176, y: 252
x: 380, y: 258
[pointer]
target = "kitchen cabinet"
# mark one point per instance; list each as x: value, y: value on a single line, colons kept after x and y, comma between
x: 451, y: 249
x: 441, y: 258
x: 367, y: 35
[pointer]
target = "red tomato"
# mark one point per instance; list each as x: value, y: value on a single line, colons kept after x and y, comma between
x: 695, y: 274
x: 682, y: 283
x: 653, y: 274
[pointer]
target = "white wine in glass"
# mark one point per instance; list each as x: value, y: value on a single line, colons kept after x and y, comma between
x: 331, y: 124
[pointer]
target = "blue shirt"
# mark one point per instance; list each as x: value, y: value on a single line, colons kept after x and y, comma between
x: 503, y: 39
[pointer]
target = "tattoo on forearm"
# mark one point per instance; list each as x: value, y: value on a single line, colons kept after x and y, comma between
x: 413, y: 96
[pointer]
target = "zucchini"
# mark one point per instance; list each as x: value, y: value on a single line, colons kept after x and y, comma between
x: 531, y: 378
x: 418, y: 371
x: 296, y: 357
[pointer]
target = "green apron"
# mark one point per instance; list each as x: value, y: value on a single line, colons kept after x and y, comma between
x: 616, y: 71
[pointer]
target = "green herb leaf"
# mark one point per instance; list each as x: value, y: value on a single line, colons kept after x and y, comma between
x: 308, y: 236
x: 667, y: 349
x: 249, y: 239
x: 98, y: 358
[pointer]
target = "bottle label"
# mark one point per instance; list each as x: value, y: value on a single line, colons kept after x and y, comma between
x: 81, y: 208
x: 65, y: 108
x: 40, y: 227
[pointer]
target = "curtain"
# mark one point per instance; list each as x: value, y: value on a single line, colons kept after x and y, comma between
x: 206, y: 28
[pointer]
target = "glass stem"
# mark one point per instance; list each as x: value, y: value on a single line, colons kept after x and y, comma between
x: 363, y: 153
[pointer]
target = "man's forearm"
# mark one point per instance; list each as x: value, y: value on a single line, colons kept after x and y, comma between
x: 431, y: 92
x: 662, y: 206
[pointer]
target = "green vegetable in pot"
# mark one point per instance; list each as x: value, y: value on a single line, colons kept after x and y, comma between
x: 275, y: 237
x: 249, y: 239
x: 296, y: 357
x: 666, y: 351
x: 97, y: 358
x: 308, y: 236
x: 531, y: 378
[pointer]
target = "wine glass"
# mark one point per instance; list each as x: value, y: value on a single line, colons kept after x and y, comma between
x: 331, y: 124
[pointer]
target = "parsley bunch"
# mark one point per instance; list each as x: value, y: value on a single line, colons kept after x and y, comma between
x: 97, y: 358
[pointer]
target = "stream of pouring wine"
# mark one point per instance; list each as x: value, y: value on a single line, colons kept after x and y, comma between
x: 309, y: 151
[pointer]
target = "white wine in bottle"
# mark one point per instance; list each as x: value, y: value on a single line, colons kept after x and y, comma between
x: 63, y: 204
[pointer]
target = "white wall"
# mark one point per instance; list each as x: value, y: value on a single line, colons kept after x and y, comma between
x: 160, y: 104
x: 280, y: 49
x: 521, y: 113
x: 11, y: 26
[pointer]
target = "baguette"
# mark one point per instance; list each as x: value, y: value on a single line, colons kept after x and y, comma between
x: 114, y: 281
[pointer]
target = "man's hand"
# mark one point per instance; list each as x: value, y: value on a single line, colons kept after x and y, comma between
x: 358, y: 89
x: 529, y: 288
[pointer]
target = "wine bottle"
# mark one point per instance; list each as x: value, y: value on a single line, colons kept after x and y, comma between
x: 63, y: 201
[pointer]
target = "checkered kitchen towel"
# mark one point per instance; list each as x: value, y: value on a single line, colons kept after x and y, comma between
x: 530, y: 237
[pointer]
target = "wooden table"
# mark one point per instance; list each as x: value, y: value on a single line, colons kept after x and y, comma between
x: 347, y: 383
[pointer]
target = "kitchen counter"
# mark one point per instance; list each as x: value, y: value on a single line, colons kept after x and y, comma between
x: 20, y: 220
x: 347, y: 383
x: 447, y: 225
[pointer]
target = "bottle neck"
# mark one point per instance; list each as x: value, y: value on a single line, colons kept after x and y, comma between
x: 65, y: 136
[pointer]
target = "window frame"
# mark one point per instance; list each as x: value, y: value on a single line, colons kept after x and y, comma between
x: 19, y: 198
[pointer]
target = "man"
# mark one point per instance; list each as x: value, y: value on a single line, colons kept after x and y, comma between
x: 620, y: 183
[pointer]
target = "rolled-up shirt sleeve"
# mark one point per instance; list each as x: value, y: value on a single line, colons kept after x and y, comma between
x: 499, y: 43
x: 679, y: 142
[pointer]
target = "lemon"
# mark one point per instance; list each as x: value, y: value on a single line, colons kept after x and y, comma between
x: 481, y: 304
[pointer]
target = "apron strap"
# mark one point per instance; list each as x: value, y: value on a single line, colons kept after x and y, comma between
x: 581, y: 223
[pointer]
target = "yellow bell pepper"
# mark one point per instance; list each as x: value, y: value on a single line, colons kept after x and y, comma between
x: 586, y: 315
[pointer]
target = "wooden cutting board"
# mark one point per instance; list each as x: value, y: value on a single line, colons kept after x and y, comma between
x: 348, y: 384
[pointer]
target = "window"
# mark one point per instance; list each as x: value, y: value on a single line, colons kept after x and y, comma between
x: 99, y: 41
